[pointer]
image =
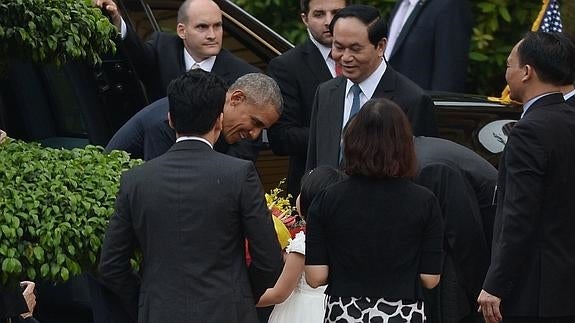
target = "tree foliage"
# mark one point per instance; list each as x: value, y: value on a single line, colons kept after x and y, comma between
x: 53, y: 31
x: 499, y: 24
x: 54, y: 208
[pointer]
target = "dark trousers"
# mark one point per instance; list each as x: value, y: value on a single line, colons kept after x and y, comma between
x: 562, y: 319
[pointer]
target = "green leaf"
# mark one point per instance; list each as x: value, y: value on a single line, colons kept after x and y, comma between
x: 44, y: 270
x: 65, y: 274
x: 31, y: 273
x: 60, y: 258
x: 505, y: 14
x: 39, y: 253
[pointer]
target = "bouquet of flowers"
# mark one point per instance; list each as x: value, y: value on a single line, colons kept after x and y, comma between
x: 281, y: 209
x: 286, y: 221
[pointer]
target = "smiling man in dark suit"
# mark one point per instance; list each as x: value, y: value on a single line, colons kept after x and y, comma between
x: 253, y: 103
x: 358, y: 44
x: 530, y: 278
x: 429, y: 42
x: 165, y: 56
x: 190, y: 211
x: 298, y: 72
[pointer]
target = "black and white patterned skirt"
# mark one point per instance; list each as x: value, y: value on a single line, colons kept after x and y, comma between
x: 372, y: 310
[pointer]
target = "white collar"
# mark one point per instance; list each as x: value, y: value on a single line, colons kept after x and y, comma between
x: 206, y: 65
x: 324, y: 50
x: 182, y: 138
x: 568, y: 95
x: 529, y: 103
x: 369, y: 85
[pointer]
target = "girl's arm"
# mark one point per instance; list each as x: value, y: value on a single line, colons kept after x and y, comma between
x: 429, y: 281
x: 316, y: 275
x: 287, y: 282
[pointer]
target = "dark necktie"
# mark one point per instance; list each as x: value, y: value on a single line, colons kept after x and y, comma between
x: 355, y: 104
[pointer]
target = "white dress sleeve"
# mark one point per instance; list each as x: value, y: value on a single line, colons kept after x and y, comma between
x: 297, y: 244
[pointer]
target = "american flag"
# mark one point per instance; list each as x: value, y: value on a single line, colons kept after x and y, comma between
x: 551, y: 21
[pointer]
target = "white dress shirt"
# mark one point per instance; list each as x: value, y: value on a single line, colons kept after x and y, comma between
x: 367, y: 87
x: 206, y: 65
x: 403, y: 12
x: 324, y: 51
x: 568, y: 95
x: 182, y: 138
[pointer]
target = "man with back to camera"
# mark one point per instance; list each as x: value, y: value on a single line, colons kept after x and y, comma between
x: 358, y: 44
x: 298, y: 72
x: 198, y: 44
x: 190, y: 211
x: 530, y: 278
x: 253, y: 103
x: 464, y: 184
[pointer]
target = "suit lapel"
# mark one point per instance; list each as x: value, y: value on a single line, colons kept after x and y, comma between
x: 315, y: 62
x: 408, y: 24
x: 336, y: 104
x: 386, y: 86
x: 571, y: 101
x: 181, y: 61
x: 220, y: 67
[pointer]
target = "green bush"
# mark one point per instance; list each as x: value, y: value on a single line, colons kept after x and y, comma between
x: 53, y: 31
x: 499, y: 25
x: 54, y: 208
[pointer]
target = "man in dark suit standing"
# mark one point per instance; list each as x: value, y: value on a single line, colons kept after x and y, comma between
x: 530, y: 278
x: 189, y: 211
x: 253, y: 103
x: 298, y: 72
x: 358, y: 44
x: 198, y: 44
x: 429, y: 42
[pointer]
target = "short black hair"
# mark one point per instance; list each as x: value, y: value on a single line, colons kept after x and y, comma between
x: 317, y: 180
x: 552, y: 55
x: 196, y: 100
x: 369, y: 15
x: 304, y: 5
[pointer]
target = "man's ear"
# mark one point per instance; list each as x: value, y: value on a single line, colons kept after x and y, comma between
x: 181, y: 30
x: 237, y: 97
x: 380, y: 47
x: 303, y: 18
x: 219, y: 122
x: 170, y: 122
x: 529, y: 73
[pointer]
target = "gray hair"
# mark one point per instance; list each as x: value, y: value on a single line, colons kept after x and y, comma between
x: 259, y: 89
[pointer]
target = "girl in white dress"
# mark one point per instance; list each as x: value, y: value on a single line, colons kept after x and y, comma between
x: 296, y: 300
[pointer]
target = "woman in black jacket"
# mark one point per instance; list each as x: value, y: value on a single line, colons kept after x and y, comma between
x: 375, y: 238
